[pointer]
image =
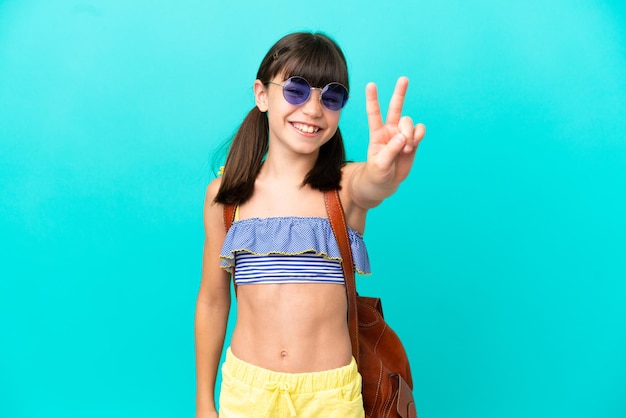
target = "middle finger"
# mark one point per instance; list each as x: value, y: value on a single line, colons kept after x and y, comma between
x: 397, y: 101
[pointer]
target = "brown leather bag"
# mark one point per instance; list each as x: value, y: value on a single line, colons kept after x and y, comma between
x: 380, y: 355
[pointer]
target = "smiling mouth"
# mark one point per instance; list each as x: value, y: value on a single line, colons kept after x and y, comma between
x: 308, y: 129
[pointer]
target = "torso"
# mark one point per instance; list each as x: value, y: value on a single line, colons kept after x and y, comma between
x: 291, y: 327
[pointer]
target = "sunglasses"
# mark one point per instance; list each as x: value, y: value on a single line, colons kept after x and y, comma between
x: 297, y: 91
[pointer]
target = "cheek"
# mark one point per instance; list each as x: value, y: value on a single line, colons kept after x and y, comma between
x: 332, y: 129
x: 279, y: 107
x: 275, y: 98
x: 333, y: 120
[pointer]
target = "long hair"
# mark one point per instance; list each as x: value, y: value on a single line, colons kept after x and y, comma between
x: 317, y: 58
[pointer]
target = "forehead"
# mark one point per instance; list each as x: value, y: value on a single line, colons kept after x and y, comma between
x: 315, y: 71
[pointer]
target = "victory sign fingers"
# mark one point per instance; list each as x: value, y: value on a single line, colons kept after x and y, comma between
x: 394, y: 141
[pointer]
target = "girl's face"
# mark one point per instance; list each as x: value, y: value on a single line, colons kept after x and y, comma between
x: 301, y: 129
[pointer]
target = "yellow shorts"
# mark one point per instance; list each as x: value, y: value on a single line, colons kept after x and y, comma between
x: 251, y: 391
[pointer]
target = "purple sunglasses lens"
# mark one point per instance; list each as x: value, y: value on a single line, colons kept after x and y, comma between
x: 297, y: 90
x: 334, y: 96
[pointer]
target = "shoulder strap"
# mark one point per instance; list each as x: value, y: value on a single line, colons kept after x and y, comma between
x: 229, y: 217
x: 340, y: 229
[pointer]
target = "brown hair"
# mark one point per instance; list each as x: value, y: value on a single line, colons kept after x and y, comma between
x: 318, y: 59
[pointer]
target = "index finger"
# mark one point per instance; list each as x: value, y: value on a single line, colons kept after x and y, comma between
x: 372, y: 107
x: 397, y: 101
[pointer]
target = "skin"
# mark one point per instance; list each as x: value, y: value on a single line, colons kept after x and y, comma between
x: 295, y: 327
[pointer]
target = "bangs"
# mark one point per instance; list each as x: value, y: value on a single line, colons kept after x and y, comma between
x: 319, y: 67
x: 315, y: 57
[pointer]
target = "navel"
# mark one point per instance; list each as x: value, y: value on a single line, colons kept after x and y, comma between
x: 283, y: 353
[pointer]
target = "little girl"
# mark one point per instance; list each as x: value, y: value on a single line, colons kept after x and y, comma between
x: 290, y: 353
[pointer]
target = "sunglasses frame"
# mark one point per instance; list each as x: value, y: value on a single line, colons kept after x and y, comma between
x: 321, y: 89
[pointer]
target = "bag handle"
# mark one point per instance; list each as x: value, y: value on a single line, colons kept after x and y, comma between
x: 338, y: 224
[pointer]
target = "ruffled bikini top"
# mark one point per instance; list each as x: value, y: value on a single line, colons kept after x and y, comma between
x: 288, y: 250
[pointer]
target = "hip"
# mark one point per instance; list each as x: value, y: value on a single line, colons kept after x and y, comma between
x: 251, y: 391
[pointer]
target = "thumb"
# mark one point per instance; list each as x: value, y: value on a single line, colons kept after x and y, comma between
x: 388, y: 154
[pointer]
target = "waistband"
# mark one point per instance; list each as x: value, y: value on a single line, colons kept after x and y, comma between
x: 297, y: 382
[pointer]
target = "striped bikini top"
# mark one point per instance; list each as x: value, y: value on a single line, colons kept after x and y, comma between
x: 288, y: 250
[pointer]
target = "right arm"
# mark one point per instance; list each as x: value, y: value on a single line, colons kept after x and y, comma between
x: 390, y: 156
x: 212, y: 307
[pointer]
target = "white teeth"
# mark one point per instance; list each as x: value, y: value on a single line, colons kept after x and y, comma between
x: 306, y: 128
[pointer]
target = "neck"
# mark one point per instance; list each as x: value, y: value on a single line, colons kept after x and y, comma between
x: 286, y: 168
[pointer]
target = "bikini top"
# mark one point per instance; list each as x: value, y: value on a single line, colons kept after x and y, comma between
x: 288, y: 250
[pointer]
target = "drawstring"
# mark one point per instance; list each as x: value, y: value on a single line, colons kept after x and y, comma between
x: 280, y: 388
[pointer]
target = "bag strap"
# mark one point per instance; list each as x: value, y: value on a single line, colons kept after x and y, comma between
x: 338, y: 224
x: 229, y: 218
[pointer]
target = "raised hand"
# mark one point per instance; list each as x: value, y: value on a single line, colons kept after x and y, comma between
x: 392, y: 144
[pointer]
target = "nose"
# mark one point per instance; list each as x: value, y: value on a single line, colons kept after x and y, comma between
x: 313, y: 106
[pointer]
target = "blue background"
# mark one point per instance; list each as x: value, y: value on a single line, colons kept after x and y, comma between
x: 501, y: 260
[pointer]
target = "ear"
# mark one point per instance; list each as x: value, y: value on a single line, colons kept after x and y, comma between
x: 260, y: 95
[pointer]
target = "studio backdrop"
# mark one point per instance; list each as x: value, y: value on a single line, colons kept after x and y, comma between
x: 501, y: 260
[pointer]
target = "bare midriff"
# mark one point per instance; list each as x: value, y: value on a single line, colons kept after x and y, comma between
x: 292, y: 328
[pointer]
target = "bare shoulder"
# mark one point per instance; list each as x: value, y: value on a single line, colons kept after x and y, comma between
x: 212, y: 189
x: 213, y: 219
x: 214, y: 279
